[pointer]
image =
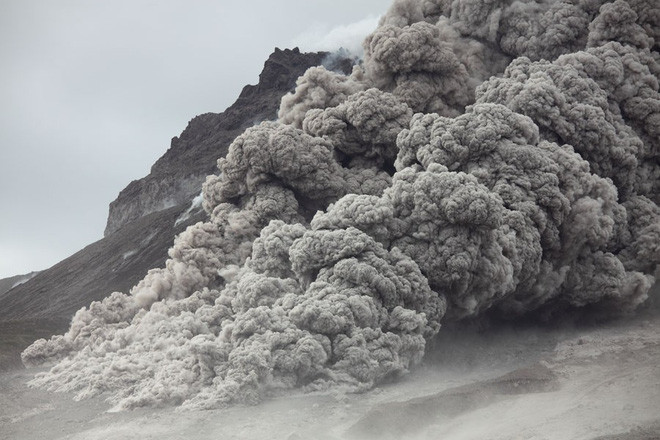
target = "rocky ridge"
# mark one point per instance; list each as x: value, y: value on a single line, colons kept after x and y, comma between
x: 178, y: 175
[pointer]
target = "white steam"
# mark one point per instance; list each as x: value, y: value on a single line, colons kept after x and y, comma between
x: 348, y: 37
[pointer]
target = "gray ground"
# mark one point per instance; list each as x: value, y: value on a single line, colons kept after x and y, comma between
x: 595, y: 383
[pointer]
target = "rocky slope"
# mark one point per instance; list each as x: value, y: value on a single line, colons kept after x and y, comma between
x: 146, y: 215
x: 11, y: 282
x: 177, y: 176
x: 114, y: 263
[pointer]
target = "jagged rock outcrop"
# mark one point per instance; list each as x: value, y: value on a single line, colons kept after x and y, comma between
x: 178, y: 175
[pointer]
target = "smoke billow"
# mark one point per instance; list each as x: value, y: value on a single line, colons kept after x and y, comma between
x: 485, y: 157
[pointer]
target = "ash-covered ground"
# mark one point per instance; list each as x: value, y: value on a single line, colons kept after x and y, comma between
x: 511, y: 382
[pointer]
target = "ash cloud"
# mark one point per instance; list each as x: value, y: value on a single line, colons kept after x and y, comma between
x: 485, y: 157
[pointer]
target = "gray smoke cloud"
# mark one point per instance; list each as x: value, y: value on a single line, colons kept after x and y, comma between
x: 318, y: 88
x: 496, y: 157
x: 429, y: 66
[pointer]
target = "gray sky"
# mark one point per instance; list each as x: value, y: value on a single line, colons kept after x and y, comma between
x: 91, y: 92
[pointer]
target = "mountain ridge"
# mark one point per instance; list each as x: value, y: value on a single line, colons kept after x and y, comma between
x: 150, y: 212
x: 176, y: 177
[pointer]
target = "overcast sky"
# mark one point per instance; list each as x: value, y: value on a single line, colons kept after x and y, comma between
x: 91, y: 92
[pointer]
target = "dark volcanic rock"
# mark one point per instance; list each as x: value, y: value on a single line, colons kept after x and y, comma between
x: 178, y: 175
x: 114, y: 263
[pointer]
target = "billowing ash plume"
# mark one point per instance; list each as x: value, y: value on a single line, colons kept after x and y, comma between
x: 485, y: 157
